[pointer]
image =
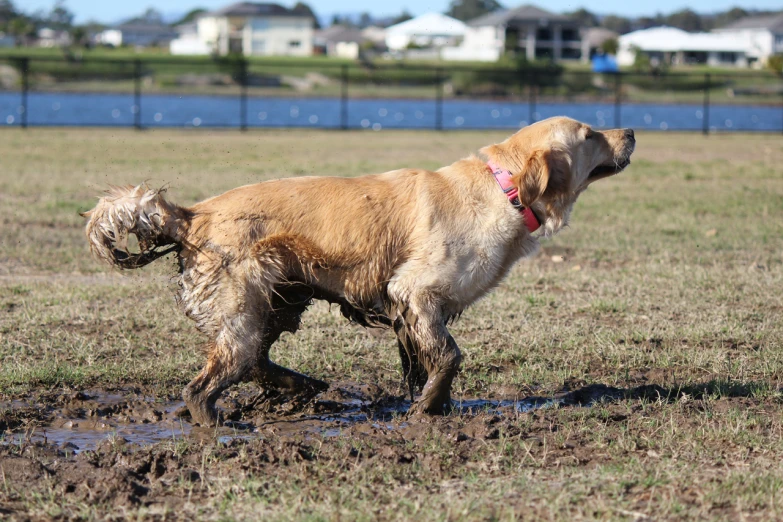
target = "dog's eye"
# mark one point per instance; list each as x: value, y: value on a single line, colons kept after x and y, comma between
x: 590, y: 135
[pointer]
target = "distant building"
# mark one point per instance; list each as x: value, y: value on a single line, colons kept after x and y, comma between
x: 188, y: 41
x: 340, y: 41
x: 257, y: 29
x: 7, y: 40
x: 431, y: 30
x: 593, y: 40
x: 48, y: 37
x: 672, y: 46
x: 137, y: 33
x: 527, y: 30
x: 763, y: 35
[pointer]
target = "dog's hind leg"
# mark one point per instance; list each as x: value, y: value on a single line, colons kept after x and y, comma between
x: 232, y: 356
x: 288, y: 308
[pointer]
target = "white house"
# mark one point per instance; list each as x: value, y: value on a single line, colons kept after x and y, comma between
x: 255, y: 29
x: 340, y: 41
x: 527, y: 30
x: 427, y: 30
x: 188, y: 41
x: 674, y: 46
x: 763, y: 35
x: 48, y: 37
x: 137, y: 32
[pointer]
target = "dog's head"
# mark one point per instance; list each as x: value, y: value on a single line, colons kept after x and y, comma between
x: 555, y: 160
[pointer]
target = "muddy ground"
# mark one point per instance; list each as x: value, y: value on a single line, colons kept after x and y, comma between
x: 630, y: 371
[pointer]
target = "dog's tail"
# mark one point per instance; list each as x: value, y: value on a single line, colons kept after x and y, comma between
x: 159, y: 226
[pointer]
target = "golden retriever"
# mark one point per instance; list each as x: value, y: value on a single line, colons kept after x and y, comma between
x: 407, y: 249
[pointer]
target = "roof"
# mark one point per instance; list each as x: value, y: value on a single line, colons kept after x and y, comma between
x: 258, y: 9
x: 430, y: 23
x: 595, y: 36
x: 771, y: 23
x: 671, y: 39
x: 340, y: 33
x: 523, y: 13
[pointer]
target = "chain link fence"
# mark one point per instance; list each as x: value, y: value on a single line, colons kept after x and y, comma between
x: 235, y: 92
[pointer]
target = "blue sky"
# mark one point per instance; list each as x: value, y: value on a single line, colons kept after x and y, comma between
x: 108, y: 11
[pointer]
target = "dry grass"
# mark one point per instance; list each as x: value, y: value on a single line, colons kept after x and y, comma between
x: 672, y: 277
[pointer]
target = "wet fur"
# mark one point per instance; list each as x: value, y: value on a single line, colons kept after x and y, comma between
x: 407, y: 249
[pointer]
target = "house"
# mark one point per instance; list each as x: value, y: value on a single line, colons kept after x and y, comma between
x: 7, y: 40
x: 340, y: 41
x: 188, y: 41
x: 527, y: 30
x: 763, y: 35
x: 593, y: 40
x: 428, y: 30
x: 138, y: 32
x: 672, y: 46
x: 257, y: 29
x: 49, y: 38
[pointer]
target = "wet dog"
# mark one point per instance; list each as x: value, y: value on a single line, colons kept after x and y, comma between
x: 407, y: 249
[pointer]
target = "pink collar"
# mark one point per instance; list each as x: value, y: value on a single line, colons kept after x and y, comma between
x: 503, y: 177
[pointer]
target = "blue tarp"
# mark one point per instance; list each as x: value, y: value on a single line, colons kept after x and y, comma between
x: 604, y: 63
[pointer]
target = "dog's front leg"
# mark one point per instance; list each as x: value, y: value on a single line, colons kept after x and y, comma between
x: 425, y: 327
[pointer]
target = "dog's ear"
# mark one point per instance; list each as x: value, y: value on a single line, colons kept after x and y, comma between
x: 533, y: 178
x: 533, y: 172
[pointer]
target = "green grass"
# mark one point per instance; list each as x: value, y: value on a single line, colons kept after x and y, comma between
x: 670, y: 289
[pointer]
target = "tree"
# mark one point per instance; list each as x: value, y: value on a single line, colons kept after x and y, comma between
x: 402, y: 17
x: 152, y: 16
x: 584, y: 17
x: 303, y: 8
x: 686, y: 19
x: 618, y: 24
x: 7, y: 13
x: 190, y: 16
x: 610, y: 46
x: 22, y: 29
x: 365, y: 20
x: 469, y: 9
x: 60, y: 18
x: 79, y: 35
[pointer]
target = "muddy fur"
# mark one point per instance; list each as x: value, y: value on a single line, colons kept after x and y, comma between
x: 407, y: 249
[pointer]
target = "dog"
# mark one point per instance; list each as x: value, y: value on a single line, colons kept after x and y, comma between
x: 409, y: 249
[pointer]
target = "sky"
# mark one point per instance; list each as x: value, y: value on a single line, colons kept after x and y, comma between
x: 110, y: 11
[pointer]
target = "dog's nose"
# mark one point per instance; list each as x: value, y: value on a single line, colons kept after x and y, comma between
x: 629, y: 134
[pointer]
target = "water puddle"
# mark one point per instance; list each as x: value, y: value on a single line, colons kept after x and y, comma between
x: 85, y: 420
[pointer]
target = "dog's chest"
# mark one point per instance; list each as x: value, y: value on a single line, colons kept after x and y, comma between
x: 463, y: 264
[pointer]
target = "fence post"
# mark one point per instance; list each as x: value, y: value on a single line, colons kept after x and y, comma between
x: 137, y: 93
x: 706, y: 111
x: 532, y: 98
x: 438, y: 100
x: 25, y: 64
x: 618, y: 84
x: 243, y: 95
x: 344, y: 97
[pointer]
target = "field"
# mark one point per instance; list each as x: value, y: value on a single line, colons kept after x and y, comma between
x: 650, y: 331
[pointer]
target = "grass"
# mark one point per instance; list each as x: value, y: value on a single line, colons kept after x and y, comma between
x: 669, y: 290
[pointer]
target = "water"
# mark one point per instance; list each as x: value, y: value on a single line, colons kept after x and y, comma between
x: 165, y: 110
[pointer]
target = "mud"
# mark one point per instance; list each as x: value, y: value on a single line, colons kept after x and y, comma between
x: 83, y: 420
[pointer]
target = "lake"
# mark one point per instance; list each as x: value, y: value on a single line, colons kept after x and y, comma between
x: 169, y: 110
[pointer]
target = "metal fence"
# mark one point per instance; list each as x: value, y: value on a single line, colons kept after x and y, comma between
x: 320, y: 93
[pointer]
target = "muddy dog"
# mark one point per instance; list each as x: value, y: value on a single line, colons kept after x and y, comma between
x: 407, y: 249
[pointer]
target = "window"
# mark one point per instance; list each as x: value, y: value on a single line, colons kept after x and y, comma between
x: 294, y: 44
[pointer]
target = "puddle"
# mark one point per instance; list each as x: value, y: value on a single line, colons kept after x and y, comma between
x: 84, y: 420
